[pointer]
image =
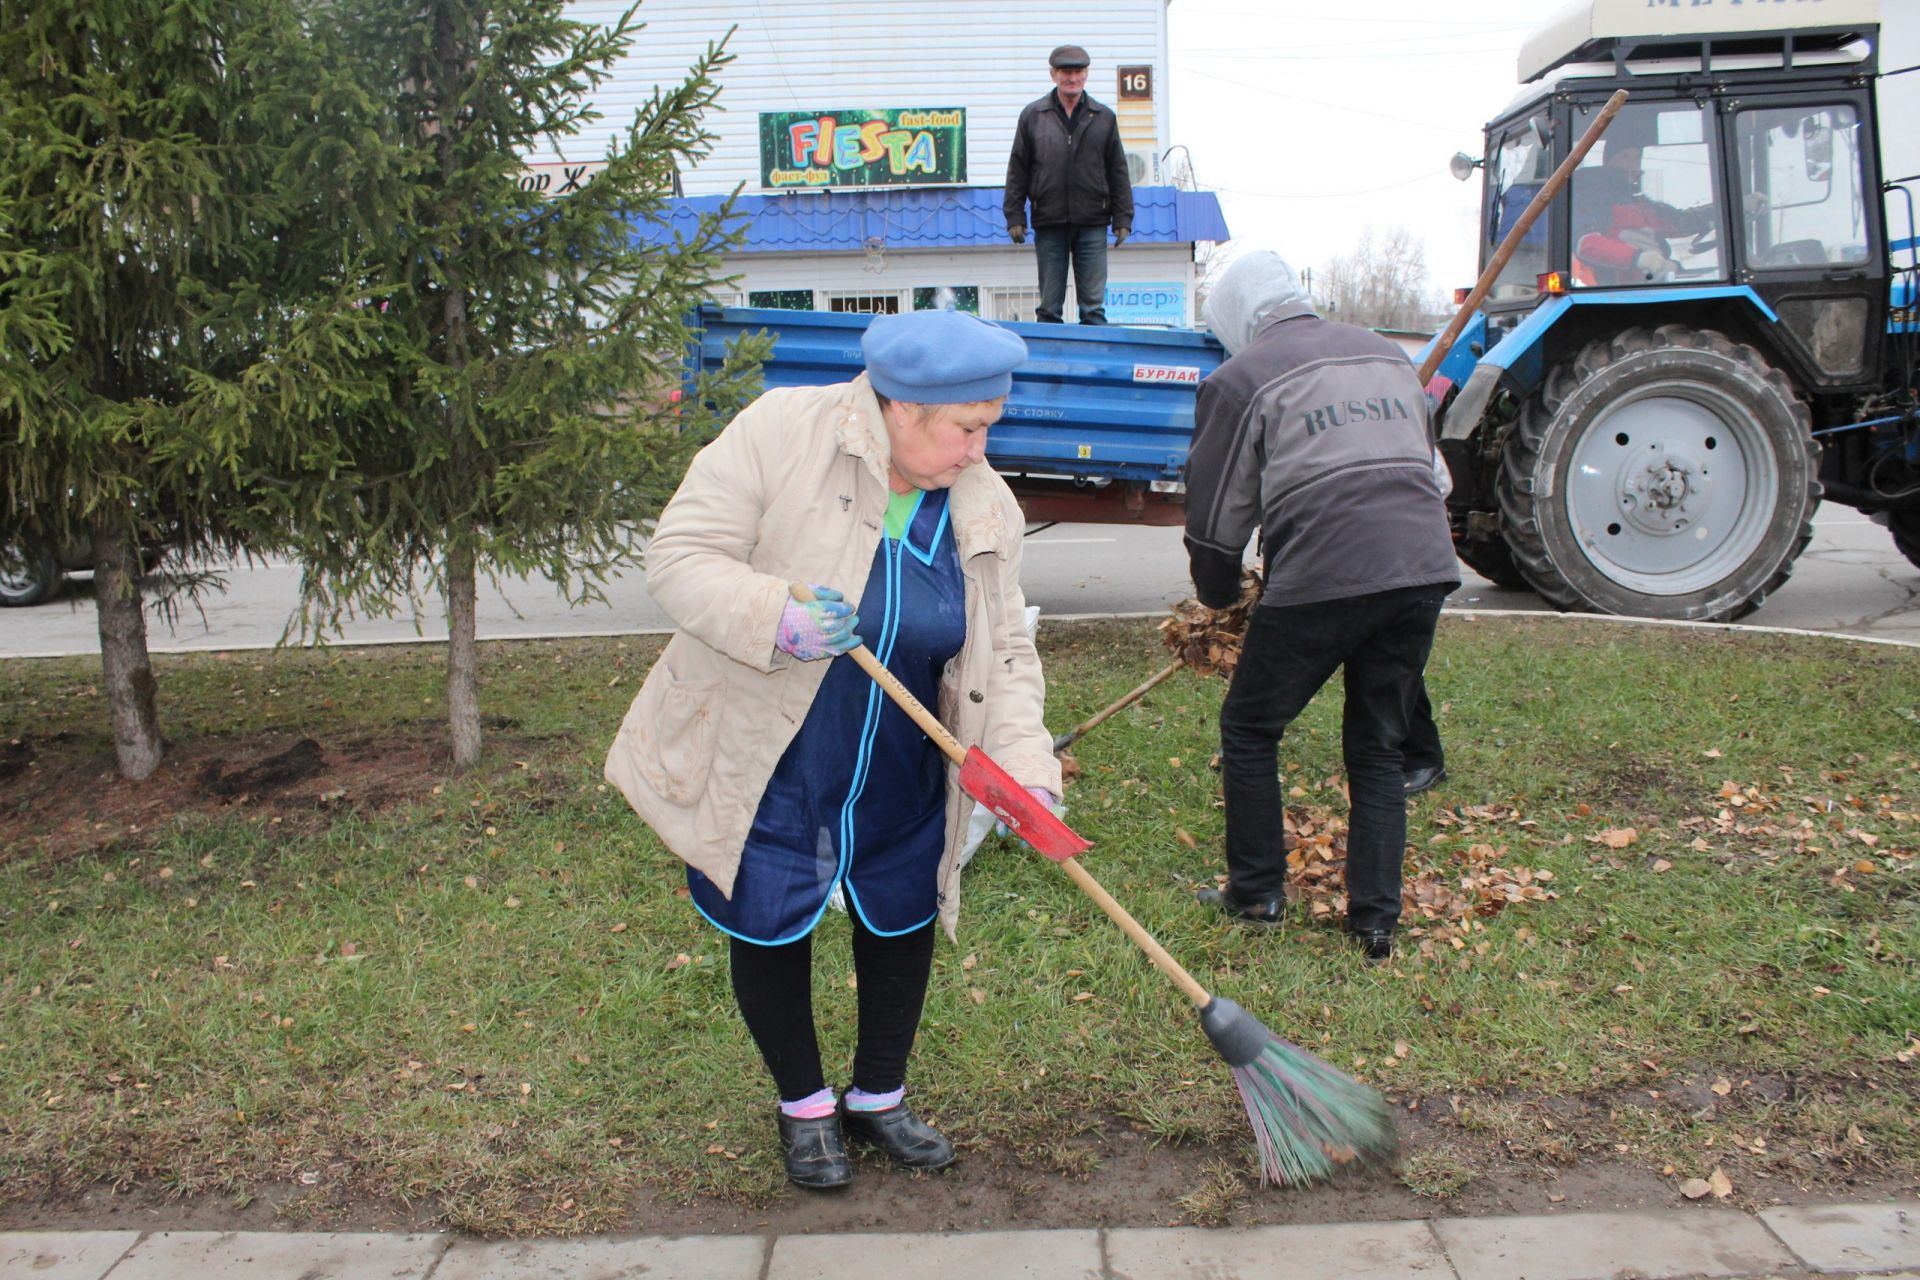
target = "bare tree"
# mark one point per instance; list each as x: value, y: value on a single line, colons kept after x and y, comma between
x: 1381, y: 284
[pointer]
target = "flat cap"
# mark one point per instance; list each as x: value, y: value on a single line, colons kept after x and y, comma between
x: 1068, y: 57
x: 940, y: 357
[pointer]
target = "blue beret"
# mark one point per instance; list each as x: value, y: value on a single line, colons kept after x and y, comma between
x: 940, y: 357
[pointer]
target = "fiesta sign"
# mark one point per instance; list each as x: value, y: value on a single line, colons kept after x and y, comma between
x: 894, y: 147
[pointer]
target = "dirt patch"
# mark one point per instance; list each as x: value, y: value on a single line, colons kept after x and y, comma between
x: 60, y: 799
x: 1131, y: 1181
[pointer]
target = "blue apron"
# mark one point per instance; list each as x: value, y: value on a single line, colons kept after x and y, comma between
x: 860, y: 796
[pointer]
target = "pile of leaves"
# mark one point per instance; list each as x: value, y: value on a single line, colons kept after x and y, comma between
x: 1208, y: 640
x: 1446, y: 893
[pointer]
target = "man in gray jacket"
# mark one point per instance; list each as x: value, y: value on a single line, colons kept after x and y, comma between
x: 1315, y: 434
x: 1068, y: 162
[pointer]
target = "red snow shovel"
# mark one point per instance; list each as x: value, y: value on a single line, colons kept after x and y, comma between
x: 980, y: 777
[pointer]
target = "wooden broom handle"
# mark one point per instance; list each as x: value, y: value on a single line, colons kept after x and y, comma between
x: 1136, y: 931
x: 1079, y: 874
x: 1538, y: 205
x: 928, y: 722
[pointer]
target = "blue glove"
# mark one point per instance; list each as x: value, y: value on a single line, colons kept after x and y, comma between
x: 820, y: 628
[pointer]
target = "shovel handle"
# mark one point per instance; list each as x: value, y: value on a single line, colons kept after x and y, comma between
x: 1537, y: 206
x: 928, y: 722
x: 1071, y: 736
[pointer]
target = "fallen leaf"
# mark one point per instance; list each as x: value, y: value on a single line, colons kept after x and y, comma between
x: 1081, y: 996
x: 621, y: 927
x: 681, y: 959
x: 1722, y: 1186
x: 1694, y: 1188
x: 1661, y: 865
x: 972, y: 959
x: 1181, y: 834
x: 1713, y: 753
x: 976, y: 995
x: 1616, y: 837
x: 1722, y: 1086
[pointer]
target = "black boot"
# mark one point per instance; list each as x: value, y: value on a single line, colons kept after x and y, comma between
x: 910, y: 1141
x: 816, y: 1157
x: 1266, y: 913
x: 1375, y: 944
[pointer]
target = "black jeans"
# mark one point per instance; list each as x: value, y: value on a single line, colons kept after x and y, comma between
x: 1382, y: 640
x: 1086, y: 249
x: 774, y: 987
x: 1422, y: 747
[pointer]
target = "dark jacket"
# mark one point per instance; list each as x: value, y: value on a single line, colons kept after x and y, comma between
x: 1316, y: 434
x: 1072, y: 168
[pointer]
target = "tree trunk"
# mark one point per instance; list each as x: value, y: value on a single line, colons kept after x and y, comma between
x: 463, y: 659
x: 124, y: 663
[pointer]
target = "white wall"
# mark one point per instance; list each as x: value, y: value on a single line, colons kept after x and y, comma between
x: 902, y: 271
x: 989, y: 56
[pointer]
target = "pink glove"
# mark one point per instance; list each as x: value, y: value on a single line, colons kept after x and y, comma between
x: 820, y: 628
x: 1044, y: 797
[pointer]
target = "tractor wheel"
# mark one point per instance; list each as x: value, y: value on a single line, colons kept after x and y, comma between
x: 1668, y: 473
x: 28, y: 575
x: 1489, y: 556
x: 1906, y: 533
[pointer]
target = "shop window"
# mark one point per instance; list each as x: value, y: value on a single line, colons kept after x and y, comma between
x: 875, y: 304
x: 1016, y: 304
x: 781, y: 299
x: 948, y: 297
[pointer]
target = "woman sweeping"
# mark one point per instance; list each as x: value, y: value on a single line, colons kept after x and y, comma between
x: 777, y: 770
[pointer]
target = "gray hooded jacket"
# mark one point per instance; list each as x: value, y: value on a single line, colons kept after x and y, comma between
x: 1314, y: 433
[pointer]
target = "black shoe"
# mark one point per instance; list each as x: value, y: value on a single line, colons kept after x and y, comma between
x: 910, y: 1141
x: 1377, y: 944
x: 1266, y: 914
x: 1425, y: 778
x: 816, y: 1157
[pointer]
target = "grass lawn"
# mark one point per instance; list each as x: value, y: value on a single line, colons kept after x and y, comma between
x: 1670, y: 920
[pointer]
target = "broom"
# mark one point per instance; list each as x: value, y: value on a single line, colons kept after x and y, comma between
x: 1308, y: 1118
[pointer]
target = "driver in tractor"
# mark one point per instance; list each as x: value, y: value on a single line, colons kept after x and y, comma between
x: 1619, y: 235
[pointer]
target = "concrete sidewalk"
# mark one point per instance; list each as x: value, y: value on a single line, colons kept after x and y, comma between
x: 1880, y: 1240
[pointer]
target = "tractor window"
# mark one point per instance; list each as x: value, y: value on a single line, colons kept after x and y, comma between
x: 1800, y: 179
x: 1519, y: 165
x: 1644, y: 206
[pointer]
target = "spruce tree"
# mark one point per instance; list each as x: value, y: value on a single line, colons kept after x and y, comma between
x: 139, y: 220
x: 531, y: 344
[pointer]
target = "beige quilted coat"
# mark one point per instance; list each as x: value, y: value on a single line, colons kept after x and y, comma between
x: 795, y: 489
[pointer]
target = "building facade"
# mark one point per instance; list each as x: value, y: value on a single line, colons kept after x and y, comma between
x: 868, y: 140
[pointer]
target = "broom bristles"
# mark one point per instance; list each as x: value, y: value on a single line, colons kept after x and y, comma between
x: 1310, y: 1119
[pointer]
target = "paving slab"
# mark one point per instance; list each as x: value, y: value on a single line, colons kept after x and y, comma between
x: 1850, y: 1237
x: 1016, y: 1255
x: 1335, y: 1251
x: 1603, y: 1246
x: 62, y: 1255
x: 280, y: 1255
x: 608, y: 1258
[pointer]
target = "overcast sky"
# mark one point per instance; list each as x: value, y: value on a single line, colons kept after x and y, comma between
x: 1315, y: 118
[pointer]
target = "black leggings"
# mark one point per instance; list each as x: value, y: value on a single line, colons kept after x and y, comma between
x: 774, y: 986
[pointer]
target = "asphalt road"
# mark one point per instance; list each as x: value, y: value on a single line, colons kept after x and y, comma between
x: 1851, y: 581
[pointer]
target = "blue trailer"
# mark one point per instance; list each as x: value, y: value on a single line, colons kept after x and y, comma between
x: 1095, y: 431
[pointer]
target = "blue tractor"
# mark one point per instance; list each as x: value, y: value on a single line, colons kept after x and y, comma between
x: 1711, y: 329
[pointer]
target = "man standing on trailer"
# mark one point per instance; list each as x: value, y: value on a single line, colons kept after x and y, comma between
x: 1068, y: 162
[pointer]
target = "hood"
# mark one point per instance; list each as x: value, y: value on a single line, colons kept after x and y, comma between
x: 1257, y: 288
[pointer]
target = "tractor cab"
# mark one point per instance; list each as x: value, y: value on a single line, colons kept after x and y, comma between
x: 1744, y: 159
x: 1630, y: 420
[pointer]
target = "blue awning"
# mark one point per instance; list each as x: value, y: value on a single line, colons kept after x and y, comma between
x: 932, y: 218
